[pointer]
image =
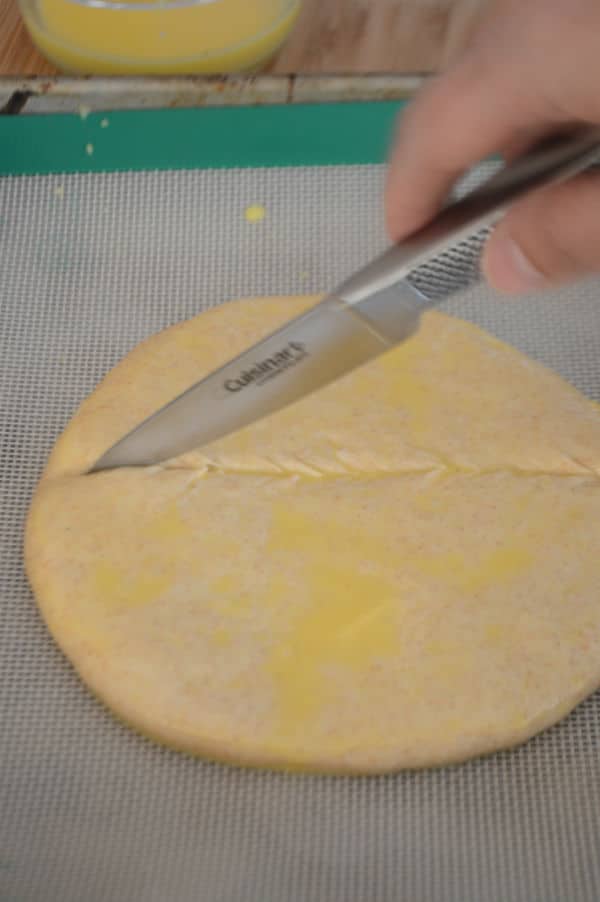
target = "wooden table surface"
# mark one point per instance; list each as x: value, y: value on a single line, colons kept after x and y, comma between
x: 331, y: 36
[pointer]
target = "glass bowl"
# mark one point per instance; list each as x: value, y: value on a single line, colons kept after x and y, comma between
x: 158, y: 37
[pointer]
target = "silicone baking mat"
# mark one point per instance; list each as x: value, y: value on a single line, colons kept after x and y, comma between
x: 135, y: 221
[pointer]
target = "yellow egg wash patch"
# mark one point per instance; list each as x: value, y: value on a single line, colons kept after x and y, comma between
x: 115, y: 588
x: 169, y: 525
x: 399, y: 571
x: 349, y: 620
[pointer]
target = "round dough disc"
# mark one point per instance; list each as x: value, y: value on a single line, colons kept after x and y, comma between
x: 402, y: 570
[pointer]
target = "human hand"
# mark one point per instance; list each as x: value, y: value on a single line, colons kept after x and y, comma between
x: 530, y: 69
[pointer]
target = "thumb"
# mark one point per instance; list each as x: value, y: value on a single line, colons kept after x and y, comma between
x: 550, y: 237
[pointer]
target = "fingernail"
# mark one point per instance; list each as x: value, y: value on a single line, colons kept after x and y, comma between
x: 510, y: 270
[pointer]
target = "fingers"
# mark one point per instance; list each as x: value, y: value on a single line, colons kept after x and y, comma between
x: 549, y: 237
x: 524, y: 140
x: 460, y: 118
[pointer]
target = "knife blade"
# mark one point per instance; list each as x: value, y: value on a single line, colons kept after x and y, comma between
x: 368, y: 314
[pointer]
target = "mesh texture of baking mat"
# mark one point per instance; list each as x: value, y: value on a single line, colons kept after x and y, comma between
x: 91, y: 812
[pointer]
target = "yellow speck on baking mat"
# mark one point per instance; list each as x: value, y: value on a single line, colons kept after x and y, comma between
x: 255, y: 213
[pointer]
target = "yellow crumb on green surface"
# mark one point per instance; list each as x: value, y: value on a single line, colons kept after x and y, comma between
x: 84, y: 112
x: 89, y: 149
x: 104, y: 123
x: 255, y: 213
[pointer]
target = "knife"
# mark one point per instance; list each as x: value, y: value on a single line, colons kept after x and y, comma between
x: 372, y: 311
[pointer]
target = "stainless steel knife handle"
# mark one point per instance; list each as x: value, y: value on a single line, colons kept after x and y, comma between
x: 554, y: 161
